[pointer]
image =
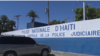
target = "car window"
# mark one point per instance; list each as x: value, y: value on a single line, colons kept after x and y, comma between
x: 29, y: 40
x: 6, y: 40
x: 0, y: 40
x: 19, y: 40
x: 23, y: 40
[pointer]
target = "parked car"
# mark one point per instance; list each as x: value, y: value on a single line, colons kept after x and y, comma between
x: 20, y: 45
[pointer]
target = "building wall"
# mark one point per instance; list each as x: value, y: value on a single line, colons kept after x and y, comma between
x: 37, y: 24
x: 30, y: 25
x: 80, y: 45
x: 76, y: 37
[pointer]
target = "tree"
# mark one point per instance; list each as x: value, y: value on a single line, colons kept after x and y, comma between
x: 32, y: 14
x: 6, y: 24
x: 56, y: 22
x: 53, y: 22
x: 98, y: 13
x: 10, y: 25
x: 63, y: 22
x: 91, y: 13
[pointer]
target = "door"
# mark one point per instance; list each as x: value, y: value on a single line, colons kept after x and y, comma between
x: 20, y: 45
x: 32, y: 47
x: 6, y: 43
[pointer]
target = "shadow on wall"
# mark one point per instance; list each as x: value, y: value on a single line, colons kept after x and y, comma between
x: 75, y: 45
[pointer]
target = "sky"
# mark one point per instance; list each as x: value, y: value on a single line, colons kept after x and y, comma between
x: 59, y: 10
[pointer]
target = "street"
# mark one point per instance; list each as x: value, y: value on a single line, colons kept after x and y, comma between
x: 57, y: 53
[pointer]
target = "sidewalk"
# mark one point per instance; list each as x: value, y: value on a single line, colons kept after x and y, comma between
x: 57, y: 53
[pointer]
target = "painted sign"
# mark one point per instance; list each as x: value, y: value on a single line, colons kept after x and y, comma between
x: 88, y: 28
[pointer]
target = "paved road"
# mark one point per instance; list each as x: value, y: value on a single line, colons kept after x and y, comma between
x: 56, y: 53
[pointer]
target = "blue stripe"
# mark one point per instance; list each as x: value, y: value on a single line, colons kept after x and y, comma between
x: 76, y: 45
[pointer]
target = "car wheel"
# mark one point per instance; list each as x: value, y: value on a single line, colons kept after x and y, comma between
x: 10, y: 54
x: 44, y: 53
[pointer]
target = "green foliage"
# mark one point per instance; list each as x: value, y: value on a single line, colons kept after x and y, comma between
x: 32, y: 14
x: 98, y: 13
x: 56, y: 22
x: 6, y: 24
x: 91, y: 13
x: 63, y: 22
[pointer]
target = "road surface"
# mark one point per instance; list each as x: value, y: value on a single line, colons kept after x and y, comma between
x: 57, y: 53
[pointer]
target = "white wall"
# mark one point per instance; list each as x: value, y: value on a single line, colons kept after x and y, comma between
x: 88, y: 28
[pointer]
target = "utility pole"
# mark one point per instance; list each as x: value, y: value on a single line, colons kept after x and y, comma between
x: 66, y: 19
x: 83, y: 9
x: 48, y: 13
x: 17, y: 16
x: 73, y: 11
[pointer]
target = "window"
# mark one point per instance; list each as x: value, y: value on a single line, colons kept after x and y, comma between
x: 23, y: 40
x: 19, y: 40
x: 6, y: 40
x: 29, y: 40
x: 0, y: 40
